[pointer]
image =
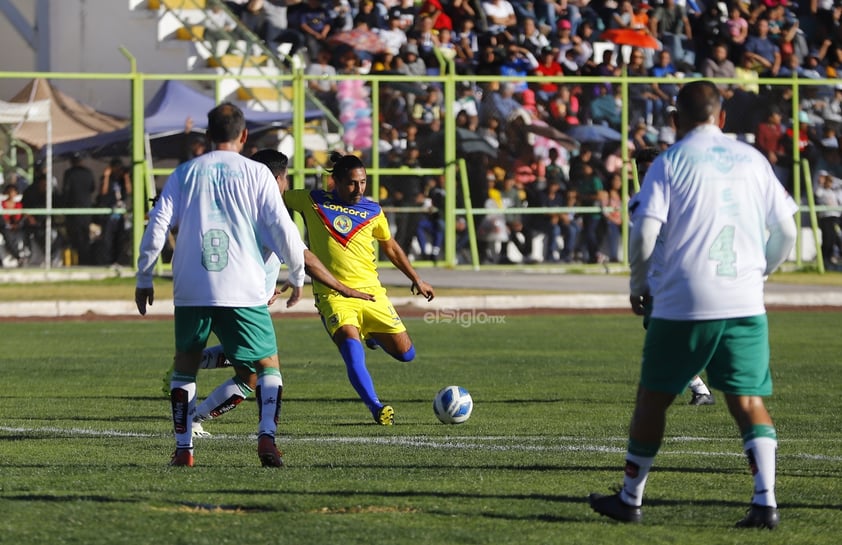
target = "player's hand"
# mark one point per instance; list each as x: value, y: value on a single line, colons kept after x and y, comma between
x: 142, y: 297
x: 639, y: 303
x: 294, y: 296
x: 355, y: 294
x: 275, y: 295
x: 423, y: 288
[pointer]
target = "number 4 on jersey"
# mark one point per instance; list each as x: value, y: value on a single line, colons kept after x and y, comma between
x: 723, y: 253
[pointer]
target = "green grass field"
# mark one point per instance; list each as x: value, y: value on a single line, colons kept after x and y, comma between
x: 85, y: 438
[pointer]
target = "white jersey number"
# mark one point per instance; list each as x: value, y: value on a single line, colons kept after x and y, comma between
x: 215, y: 250
x: 722, y: 251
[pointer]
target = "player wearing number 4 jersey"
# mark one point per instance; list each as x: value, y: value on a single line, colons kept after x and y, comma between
x: 722, y: 222
x: 226, y: 208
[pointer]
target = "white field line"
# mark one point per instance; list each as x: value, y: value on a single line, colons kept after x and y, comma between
x: 491, y: 443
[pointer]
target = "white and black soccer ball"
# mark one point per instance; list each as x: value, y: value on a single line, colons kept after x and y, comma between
x: 453, y: 405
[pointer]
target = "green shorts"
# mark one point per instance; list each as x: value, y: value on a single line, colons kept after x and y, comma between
x: 734, y: 351
x: 246, y: 334
x: 378, y: 316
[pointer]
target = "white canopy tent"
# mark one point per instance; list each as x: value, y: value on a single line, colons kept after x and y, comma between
x: 12, y: 113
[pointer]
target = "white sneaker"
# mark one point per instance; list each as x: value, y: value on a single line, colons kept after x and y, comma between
x: 199, y: 431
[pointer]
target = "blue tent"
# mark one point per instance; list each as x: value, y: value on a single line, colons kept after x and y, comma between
x: 164, y: 119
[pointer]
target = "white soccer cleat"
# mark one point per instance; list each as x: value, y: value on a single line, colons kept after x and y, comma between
x: 199, y: 431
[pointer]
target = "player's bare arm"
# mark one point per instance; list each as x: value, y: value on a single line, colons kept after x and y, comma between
x: 398, y: 258
x: 316, y: 269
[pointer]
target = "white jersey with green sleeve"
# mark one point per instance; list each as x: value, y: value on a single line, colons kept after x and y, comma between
x: 716, y: 199
x: 226, y: 209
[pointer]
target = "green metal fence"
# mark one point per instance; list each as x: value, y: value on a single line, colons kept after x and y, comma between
x: 453, y: 169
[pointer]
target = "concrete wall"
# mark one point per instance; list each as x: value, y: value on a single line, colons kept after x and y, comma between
x: 86, y: 36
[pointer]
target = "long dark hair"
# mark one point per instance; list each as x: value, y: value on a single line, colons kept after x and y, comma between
x: 343, y: 164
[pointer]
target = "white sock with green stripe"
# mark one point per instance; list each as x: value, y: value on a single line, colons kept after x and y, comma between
x: 760, y: 443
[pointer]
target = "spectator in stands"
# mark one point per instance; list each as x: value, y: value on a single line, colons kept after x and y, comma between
x: 642, y: 99
x: 115, y: 191
x: 762, y: 51
x: 613, y: 217
x: 571, y: 226
x: 829, y: 157
x: 738, y: 28
x: 531, y: 38
x: 549, y: 225
x: 314, y: 26
x: 583, y: 46
x: 78, y: 188
x: 407, y: 12
x: 499, y: 103
x: 512, y: 200
x: 769, y: 140
x: 342, y: 18
x: 548, y: 67
x: 218, y: 23
x: 670, y: 24
x: 280, y: 26
x: 500, y: 15
x: 711, y: 30
x: 370, y: 16
x: 831, y: 109
x: 467, y: 47
x: 466, y: 101
x: 460, y: 11
x: 590, y: 187
x: 410, y: 63
x: 252, y: 16
x: 488, y: 62
x: 435, y: 11
x: 35, y: 226
x: 519, y: 62
x: 324, y: 88
x: 393, y: 36
x: 427, y: 110
x: 11, y: 224
x: 827, y: 193
x: 428, y: 42
x: 719, y: 65
x: 564, y: 108
x: 194, y: 145
x: 604, y: 108
x: 666, y: 89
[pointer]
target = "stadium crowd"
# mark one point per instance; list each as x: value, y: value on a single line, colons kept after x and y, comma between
x: 513, y: 167
x: 742, y: 39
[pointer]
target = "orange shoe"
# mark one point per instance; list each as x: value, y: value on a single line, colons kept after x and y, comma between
x: 268, y: 453
x: 182, y: 457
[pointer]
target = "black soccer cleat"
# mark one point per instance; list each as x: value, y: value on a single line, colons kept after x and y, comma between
x: 760, y: 516
x: 613, y: 507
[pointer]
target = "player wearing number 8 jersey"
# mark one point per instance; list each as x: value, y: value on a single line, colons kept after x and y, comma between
x: 722, y: 222
x: 226, y: 208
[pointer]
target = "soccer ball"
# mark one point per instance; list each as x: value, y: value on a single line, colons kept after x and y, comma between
x: 453, y: 405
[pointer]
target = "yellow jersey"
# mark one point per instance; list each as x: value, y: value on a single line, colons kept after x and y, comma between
x: 342, y: 235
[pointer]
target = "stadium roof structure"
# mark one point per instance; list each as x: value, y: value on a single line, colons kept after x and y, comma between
x: 71, y: 119
x: 164, y: 121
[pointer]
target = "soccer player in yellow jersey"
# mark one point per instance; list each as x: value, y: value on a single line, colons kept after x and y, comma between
x: 342, y: 226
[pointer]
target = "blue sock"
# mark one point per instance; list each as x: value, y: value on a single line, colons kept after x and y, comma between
x: 409, y: 355
x: 354, y: 355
